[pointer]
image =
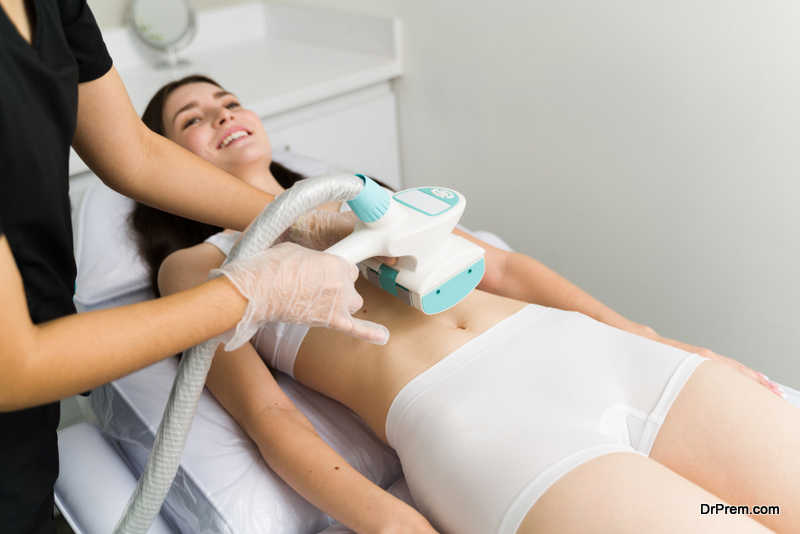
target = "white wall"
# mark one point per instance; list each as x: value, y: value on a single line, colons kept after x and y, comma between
x: 649, y: 152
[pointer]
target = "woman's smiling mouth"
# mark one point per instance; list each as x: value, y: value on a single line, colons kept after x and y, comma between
x: 230, y: 138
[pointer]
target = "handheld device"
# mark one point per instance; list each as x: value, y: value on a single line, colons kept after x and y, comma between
x: 435, y: 269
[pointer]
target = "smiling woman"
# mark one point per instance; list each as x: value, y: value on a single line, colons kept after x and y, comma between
x: 199, y: 115
x: 559, y: 403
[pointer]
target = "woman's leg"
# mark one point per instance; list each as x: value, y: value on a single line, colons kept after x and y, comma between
x: 624, y: 493
x: 730, y: 436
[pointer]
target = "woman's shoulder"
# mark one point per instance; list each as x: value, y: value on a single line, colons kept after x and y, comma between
x: 188, y: 267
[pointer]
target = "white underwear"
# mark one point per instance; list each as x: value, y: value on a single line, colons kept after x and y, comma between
x: 483, y: 433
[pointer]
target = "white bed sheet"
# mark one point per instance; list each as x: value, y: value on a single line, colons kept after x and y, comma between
x: 223, y: 484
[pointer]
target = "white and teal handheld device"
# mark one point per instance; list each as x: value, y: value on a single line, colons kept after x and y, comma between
x: 435, y: 269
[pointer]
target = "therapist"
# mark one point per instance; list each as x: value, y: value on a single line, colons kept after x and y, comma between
x: 58, y: 86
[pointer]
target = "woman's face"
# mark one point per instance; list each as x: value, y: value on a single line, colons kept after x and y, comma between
x: 209, y: 121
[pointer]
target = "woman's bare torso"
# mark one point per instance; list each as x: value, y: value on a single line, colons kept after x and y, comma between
x: 366, y: 377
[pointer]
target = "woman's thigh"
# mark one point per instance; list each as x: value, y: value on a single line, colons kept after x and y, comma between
x: 628, y: 493
x: 738, y: 441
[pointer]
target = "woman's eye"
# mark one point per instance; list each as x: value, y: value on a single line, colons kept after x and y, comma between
x: 190, y: 122
x: 232, y: 105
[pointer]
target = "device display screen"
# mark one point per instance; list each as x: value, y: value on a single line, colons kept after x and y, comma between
x: 422, y: 202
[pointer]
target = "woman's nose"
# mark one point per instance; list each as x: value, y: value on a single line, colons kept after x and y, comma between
x: 224, y: 116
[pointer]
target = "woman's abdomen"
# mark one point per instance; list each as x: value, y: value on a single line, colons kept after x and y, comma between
x: 367, y: 377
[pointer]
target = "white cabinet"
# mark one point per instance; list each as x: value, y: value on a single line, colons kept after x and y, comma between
x: 358, y: 132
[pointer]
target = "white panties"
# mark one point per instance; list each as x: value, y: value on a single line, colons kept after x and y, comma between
x: 483, y: 433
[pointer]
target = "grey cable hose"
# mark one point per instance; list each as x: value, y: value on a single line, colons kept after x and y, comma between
x: 156, y: 479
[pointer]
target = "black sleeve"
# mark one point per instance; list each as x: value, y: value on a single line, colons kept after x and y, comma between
x: 85, y: 39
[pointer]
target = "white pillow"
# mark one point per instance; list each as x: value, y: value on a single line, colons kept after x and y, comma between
x: 109, y: 265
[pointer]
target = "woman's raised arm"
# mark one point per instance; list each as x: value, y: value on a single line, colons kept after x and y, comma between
x: 521, y: 277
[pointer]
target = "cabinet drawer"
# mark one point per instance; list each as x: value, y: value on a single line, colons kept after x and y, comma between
x: 361, y: 137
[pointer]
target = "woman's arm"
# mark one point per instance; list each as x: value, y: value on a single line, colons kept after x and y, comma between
x: 286, y: 439
x: 514, y: 275
x: 138, y: 163
x: 46, y: 362
x: 290, y: 445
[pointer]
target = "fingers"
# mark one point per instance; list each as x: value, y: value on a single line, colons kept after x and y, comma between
x: 773, y: 386
x: 292, y: 284
x: 353, y: 273
x: 761, y: 378
x: 358, y: 328
x: 319, y: 230
x: 758, y: 377
x: 368, y: 331
x: 386, y: 260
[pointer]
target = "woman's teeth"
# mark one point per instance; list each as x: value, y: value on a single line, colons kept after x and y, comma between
x: 232, y: 137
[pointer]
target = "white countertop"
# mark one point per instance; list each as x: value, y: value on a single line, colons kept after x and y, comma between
x: 275, y: 57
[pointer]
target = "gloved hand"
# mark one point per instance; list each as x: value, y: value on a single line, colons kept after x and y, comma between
x: 320, y: 229
x: 292, y: 284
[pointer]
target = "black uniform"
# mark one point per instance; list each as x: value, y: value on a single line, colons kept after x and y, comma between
x: 38, y: 112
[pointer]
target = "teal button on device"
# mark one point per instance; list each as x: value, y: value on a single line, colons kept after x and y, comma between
x: 371, y: 203
x: 454, y: 290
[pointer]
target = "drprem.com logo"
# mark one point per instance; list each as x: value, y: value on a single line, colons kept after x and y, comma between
x: 719, y: 508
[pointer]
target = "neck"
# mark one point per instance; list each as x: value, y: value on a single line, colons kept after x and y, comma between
x: 260, y: 177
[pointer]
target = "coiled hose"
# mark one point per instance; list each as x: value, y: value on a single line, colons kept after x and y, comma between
x: 156, y: 480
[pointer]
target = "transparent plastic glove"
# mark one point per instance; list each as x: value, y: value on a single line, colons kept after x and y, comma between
x: 292, y: 284
x: 319, y: 230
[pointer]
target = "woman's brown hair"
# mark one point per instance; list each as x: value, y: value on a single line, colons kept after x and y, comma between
x: 158, y: 233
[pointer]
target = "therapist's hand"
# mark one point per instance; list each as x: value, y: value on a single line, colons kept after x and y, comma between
x: 320, y: 230
x: 292, y: 284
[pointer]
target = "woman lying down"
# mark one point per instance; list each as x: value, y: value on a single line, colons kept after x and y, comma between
x: 508, y: 413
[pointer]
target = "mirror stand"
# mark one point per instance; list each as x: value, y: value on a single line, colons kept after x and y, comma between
x: 171, y: 60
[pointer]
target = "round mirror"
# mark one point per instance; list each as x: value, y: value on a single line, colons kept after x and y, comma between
x: 166, y: 25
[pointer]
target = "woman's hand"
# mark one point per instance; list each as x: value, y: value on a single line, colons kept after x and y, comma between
x: 413, y: 523
x: 713, y: 356
x: 292, y: 284
x: 755, y: 375
x: 422, y: 528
